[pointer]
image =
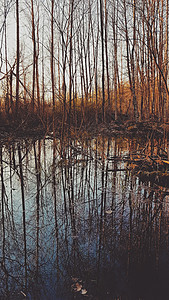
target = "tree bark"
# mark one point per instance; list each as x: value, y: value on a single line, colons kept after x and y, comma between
x: 17, y: 56
x: 102, y: 47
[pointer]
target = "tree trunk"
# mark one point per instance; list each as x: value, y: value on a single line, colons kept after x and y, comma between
x: 102, y: 47
x: 34, y: 56
x: 52, y: 64
x: 17, y: 56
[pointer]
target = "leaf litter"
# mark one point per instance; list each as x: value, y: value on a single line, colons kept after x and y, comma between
x: 77, y: 286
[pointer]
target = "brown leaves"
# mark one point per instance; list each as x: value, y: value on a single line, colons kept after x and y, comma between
x: 77, y: 286
x: 83, y: 291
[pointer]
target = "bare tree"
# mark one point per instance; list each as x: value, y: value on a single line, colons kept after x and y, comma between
x: 34, y: 54
x: 17, y: 55
x: 52, y: 63
x: 106, y: 53
x: 102, y: 47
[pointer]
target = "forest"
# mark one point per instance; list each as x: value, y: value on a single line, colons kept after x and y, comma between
x: 84, y: 149
x: 82, y: 63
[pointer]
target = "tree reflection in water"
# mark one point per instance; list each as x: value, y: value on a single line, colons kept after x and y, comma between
x: 75, y: 223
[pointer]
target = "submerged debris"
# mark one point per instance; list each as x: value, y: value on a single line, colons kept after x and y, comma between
x: 152, y: 168
x: 77, y: 286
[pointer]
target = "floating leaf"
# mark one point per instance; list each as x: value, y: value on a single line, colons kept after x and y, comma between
x: 78, y: 287
x: 83, y: 291
x: 109, y: 211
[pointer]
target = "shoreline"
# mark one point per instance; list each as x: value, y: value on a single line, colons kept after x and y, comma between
x: 113, y: 128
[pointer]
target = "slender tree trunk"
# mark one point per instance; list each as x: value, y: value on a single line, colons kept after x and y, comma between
x: 95, y: 53
x: 166, y: 96
x: 24, y: 82
x: 160, y: 60
x: 11, y: 91
x: 148, y: 75
x: 153, y: 65
x: 6, y: 62
x: 106, y: 53
x: 37, y: 63
x: 133, y: 63
x: 142, y: 68
x: 34, y: 56
x: 17, y: 56
x: 71, y: 3
x: 102, y: 47
x: 43, y: 74
x: 114, y: 21
x: 64, y: 61
x: 52, y: 64
x: 166, y: 63
x: 127, y: 45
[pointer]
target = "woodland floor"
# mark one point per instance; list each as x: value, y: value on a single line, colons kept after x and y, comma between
x: 33, y: 129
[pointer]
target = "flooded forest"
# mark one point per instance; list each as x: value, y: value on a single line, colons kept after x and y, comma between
x: 84, y: 149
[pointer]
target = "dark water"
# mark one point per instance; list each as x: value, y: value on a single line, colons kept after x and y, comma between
x: 76, y: 223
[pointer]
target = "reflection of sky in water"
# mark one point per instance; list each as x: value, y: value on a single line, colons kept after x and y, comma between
x: 94, y: 209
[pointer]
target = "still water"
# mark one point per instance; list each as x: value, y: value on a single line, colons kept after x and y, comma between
x: 76, y: 222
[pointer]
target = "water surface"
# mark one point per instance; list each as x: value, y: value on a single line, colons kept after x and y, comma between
x: 76, y: 222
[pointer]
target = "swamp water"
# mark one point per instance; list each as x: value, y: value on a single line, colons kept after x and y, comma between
x: 76, y: 223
